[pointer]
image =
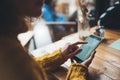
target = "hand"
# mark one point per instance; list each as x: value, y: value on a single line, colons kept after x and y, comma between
x: 70, y: 50
x: 88, y: 61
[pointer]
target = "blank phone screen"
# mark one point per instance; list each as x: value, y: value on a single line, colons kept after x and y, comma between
x: 93, y: 42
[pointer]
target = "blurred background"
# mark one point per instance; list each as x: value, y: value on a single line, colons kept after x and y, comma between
x: 58, y: 19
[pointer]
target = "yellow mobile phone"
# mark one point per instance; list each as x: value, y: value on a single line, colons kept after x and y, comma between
x: 93, y: 42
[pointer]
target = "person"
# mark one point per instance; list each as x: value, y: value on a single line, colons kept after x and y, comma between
x: 15, y: 62
x: 49, y: 13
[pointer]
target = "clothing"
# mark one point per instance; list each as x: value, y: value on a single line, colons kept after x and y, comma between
x: 51, y: 61
x: 77, y: 72
x: 49, y: 15
x: 16, y: 64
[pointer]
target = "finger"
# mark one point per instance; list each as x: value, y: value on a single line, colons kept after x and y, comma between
x: 66, y: 47
x: 92, y: 55
x: 76, y: 43
x: 74, y: 48
x: 88, y: 61
x: 74, y: 53
x: 67, y: 44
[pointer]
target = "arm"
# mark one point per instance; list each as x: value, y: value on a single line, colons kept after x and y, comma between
x: 51, y: 61
x: 79, y: 71
x: 58, y: 57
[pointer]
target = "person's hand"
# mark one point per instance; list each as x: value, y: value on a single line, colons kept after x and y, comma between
x: 88, y: 61
x: 70, y: 50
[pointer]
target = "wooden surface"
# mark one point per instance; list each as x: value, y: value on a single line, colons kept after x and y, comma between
x: 106, y: 64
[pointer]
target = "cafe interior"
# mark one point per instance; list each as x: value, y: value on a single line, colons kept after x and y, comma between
x: 69, y: 21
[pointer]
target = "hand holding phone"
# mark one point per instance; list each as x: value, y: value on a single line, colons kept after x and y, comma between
x: 87, y: 49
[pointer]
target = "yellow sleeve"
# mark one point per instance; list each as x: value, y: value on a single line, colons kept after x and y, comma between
x: 51, y: 61
x: 77, y: 72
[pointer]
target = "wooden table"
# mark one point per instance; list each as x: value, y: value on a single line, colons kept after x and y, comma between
x: 106, y: 64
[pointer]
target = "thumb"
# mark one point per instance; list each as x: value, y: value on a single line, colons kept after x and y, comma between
x: 88, y: 61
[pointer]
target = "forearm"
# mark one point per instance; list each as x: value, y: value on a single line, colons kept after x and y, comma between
x: 51, y: 61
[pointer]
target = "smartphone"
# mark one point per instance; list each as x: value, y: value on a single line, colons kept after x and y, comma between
x: 93, y: 42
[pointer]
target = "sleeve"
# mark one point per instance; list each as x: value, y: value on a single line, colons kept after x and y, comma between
x: 51, y: 61
x: 47, y: 14
x: 77, y: 72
